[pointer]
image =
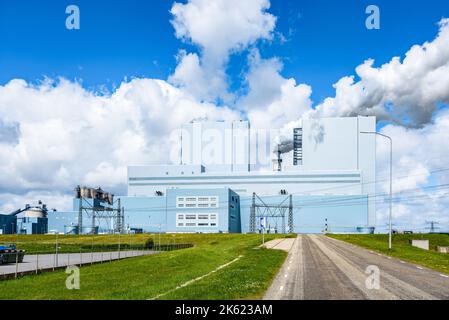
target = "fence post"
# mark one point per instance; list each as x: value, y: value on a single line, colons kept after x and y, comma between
x: 37, y: 262
x: 17, y: 263
x: 57, y: 250
x: 119, y: 246
x: 92, y: 250
x: 17, y: 256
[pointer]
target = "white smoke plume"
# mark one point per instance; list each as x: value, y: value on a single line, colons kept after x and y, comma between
x: 406, y: 92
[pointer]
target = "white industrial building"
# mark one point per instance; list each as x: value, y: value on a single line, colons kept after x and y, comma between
x: 329, y: 161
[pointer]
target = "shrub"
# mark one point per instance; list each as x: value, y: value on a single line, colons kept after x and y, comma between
x: 149, y: 244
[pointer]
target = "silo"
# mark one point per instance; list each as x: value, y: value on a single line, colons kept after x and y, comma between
x: 35, y: 212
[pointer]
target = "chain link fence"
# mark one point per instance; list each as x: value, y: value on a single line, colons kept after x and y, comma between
x: 33, y: 254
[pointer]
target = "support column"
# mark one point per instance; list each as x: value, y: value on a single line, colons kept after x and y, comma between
x: 290, y: 216
x: 252, y: 217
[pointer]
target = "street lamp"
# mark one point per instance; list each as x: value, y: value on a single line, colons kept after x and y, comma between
x: 391, y: 183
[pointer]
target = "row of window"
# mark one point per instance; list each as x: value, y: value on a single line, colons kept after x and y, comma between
x: 297, y: 147
x: 197, y: 220
x: 194, y: 224
x: 212, y: 216
x: 197, y: 198
x: 197, y: 202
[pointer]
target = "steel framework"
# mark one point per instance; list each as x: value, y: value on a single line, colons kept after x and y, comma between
x: 98, y: 210
x: 259, y: 209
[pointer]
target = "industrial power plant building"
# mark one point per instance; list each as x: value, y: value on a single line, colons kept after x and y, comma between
x: 321, y: 179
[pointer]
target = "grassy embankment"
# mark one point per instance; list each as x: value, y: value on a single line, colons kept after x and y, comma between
x: 402, y: 248
x: 148, y: 276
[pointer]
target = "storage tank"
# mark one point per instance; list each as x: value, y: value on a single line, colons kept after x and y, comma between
x: 35, y: 212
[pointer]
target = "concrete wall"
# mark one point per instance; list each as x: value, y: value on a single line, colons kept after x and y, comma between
x: 221, y: 146
x: 340, y: 144
x: 344, y: 214
x: 264, y: 183
x: 8, y: 224
x: 62, y: 222
x: 222, y: 210
x: 148, y: 213
x: 235, y: 225
x: 338, y: 159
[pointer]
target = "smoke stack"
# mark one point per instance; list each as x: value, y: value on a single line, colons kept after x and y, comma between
x: 283, y: 145
x: 277, y: 163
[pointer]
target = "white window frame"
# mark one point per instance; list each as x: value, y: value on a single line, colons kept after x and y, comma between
x: 190, y: 220
x: 202, y: 202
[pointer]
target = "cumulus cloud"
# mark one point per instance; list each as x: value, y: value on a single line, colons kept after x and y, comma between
x: 71, y: 136
x: 219, y: 28
x: 406, y: 92
x: 420, y: 160
x: 203, y: 83
x: 272, y: 100
x: 10, y: 202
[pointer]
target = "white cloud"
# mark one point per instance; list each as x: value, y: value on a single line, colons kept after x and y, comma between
x: 203, y: 83
x: 10, y: 202
x: 219, y: 28
x: 272, y: 100
x: 420, y: 159
x: 70, y: 136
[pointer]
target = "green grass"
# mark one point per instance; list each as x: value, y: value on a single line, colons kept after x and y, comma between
x: 148, y: 276
x: 402, y: 248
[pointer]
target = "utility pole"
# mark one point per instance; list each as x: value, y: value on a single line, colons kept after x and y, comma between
x: 263, y: 235
x: 290, y: 216
x: 159, y: 237
x: 252, y: 219
x: 80, y: 216
x: 433, y: 226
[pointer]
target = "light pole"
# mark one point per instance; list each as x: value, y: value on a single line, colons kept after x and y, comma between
x: 159, y: 237
x: 391, y: 183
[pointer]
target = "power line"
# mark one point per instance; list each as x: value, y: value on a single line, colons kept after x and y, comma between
x: 433, y: 226
x: 337, y: 199
x: 373, y: 181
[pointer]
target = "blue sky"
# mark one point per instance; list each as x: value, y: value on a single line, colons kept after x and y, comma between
x: 325, y: 40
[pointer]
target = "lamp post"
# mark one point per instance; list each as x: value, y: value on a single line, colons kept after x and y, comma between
x: 160, y: 237
x: 391, y: 184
